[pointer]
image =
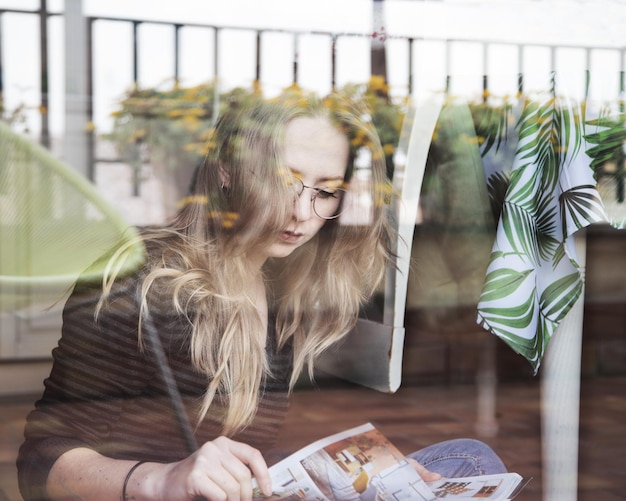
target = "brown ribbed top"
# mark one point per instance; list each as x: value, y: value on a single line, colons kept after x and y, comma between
x: 105, y: 393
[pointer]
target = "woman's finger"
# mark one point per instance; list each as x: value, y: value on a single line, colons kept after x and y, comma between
x: 257, y: 467
x: 241, y: 474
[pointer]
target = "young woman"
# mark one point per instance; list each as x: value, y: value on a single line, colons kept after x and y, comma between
x: 254, y: 277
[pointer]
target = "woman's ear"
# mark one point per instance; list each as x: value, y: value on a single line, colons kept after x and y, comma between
x: 224, y: 176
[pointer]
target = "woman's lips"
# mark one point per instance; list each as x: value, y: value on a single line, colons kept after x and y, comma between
x: 290, y: 237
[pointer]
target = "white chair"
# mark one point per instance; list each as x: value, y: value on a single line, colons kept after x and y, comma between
x: 371, y: 355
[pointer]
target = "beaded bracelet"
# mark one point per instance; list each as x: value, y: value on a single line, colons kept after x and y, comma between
x: 130, y: 472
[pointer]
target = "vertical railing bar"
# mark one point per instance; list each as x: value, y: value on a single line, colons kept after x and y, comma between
x: 177, y: 28
x: 133, y: 162
x: 257, y: 72
x: 622, y: 75
x: 448, y: 67
x: 296, y: 55
x: 44, y: 87
x: 587, y: 72
x: 333, y: 62
x: 554, y: 81
x: 620, y: 155
x: 215, y: 53
x: 91, y: 168
x: 485, y: 71
x: 520, y: 67
x: 136, y: 53
x: 410, y: 79
x: 2, y: 110
x: 216, y: 66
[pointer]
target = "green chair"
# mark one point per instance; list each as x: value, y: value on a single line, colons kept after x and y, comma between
x: 53, y: 226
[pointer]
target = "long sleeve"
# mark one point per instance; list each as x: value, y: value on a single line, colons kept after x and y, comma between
x: 97, y: 369
x: 107, y: 394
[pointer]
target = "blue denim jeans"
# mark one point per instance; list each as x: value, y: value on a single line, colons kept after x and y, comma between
x: 462, y: 457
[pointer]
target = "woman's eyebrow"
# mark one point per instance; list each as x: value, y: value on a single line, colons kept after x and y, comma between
x: 298, y: 174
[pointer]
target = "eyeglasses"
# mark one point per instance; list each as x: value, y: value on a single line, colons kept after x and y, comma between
x: 326, y: 201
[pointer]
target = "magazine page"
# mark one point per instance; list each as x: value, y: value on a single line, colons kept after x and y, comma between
x: 358, y: 464
x: 493, y: 487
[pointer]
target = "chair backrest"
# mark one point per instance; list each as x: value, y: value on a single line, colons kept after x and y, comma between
x: 53, y: 224
x: 371, y: 355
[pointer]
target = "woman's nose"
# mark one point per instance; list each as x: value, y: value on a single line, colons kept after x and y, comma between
x: 303, y: 206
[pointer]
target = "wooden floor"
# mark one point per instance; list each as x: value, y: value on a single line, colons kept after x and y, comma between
x: 416, y: 416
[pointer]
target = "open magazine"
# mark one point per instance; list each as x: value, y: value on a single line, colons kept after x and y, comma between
x: 360, y: 464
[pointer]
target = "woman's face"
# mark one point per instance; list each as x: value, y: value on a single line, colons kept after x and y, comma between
x: 316, y: 153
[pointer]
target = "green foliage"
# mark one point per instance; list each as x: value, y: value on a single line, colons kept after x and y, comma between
x: 608, y: 139
x: 176, y: 124
x: 491, y: 123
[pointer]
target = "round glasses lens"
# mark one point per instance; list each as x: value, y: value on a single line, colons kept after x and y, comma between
x: 327, y: 204
x: 297, y: 185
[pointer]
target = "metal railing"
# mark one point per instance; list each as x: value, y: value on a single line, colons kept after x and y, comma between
x: 412, y: 47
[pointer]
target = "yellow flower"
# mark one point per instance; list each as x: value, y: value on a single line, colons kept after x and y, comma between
x: 383, y: 194
x: 186, y: 113
x: 194, y: 147
x: 227, y: 219
x: 376, y: 154
x: 173, y: 114
x: 193, y: 199
x: 139, y: 134
x: 191, y: 123
x: 377, y: 84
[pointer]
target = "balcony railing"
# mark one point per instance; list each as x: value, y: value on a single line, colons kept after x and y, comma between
x: 406, y: 73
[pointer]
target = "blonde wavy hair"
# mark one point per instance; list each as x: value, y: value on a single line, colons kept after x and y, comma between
x: 201, y: 259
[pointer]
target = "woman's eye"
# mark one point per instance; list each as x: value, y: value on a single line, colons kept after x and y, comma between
x: 327, y: 193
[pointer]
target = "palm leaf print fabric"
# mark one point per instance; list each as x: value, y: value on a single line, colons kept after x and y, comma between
x: 533, y: 277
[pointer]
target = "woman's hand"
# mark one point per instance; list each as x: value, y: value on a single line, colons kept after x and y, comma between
x: 427, y: 475
x: 221, y: 470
